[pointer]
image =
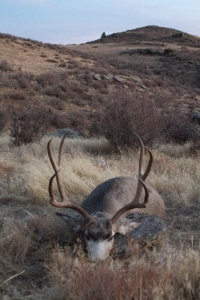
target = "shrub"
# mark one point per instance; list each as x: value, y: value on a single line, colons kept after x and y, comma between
x: 17, y: 95
x: 28, y: 125
x: 23, y: 79
x: 128, y: 113
x: 75, y: 119
x: 57, y: 103
x: 168, y: 51
x: 5, y: 66
x: 178, y: 127
x: 51, y: 60
x: 3, y: 120
x: 47, y: 79
x: 103, y: 35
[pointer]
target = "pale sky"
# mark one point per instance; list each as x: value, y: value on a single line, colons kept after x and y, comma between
x: 80, y: 21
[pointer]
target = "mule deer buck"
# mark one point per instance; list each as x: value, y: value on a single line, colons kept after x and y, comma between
x: 102, y: 213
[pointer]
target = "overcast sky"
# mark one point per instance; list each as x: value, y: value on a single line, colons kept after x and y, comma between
x: 79, y: 21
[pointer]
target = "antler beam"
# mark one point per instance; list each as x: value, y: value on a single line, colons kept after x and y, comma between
x: 57, y: 168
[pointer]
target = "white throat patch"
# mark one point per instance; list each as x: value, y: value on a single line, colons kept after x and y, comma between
x: 99, y: 249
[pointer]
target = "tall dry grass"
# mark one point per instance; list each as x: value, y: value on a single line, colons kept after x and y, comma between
x: 168, y: 275
x: 25, y: 171
x: 38, y: 260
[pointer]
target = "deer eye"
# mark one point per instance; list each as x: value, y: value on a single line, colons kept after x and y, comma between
x: 87, y: 237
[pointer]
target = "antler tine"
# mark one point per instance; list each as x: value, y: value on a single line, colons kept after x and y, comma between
x: 50, y: 154
x: 55, y: 166
x: 141, y: 155
x: 65, y: 201
x: 134, y: 204
x: 150, y: 163
x: 61, y: 149
x: 148, y: 169
x: 141, y: 178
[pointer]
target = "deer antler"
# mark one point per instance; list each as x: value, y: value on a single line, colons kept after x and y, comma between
x: 141, y: 183
x: 57, y: 168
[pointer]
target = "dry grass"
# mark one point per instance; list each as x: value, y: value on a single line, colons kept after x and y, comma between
x: 38, y: 257
x: 165, y: 276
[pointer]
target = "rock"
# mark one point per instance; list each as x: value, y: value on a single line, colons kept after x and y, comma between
x: 119, y: 78
x: 125, y: 77
x: 107, y: 77
x: 136, y: 79
x: 97, y: 76
x: 147, y: 235
x: 61, y: 132
x: 141, y: 90
x: 125, y: 86
x: 197, y: 98
x: 34, y: 82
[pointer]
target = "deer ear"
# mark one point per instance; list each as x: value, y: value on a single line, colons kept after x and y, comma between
x: 74, y: 222
x: 123, y: 226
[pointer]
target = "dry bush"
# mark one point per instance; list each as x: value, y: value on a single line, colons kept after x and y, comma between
x: 127, y: 113
x: 51, y: 60
x: 46, y: 79
x: 28, y: 125
x: 56, y: 90
x: 3, y: 119
x: 23, y: 79
x: 178, y: 127
x: 5, y: 66
x: 17, y: 95
x: 75, y: 119
x: 57, y: 103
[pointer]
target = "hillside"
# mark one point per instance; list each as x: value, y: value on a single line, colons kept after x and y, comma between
x: 147, y: 62
x: 152, y: 34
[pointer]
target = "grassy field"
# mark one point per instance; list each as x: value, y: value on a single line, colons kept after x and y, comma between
x: 40, y: 260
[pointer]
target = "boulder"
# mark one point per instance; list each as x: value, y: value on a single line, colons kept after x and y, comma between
x: 107, y: 77
x: 119, y: 78
x: 148, y: 235
x: 136, y: 79
x: 97, y: 76
x: 141, y: 90
x: 61, y: 132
